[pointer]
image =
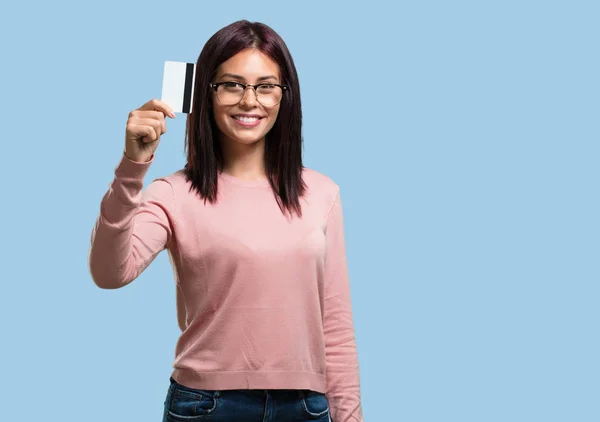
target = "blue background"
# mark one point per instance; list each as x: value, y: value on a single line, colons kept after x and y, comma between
x: 464, y: 136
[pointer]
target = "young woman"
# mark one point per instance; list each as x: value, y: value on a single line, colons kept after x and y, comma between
x: 255, y: 239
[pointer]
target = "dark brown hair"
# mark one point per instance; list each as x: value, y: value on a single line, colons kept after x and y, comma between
x: 283, y: 143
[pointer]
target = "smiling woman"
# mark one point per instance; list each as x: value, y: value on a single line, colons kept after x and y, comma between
x: 256, y: 241
x: 248, y: 100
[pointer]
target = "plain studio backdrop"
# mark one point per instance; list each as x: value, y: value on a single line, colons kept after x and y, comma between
x: 464, y: 136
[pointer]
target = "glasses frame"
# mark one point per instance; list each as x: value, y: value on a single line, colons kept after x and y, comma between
x: 216, y: 86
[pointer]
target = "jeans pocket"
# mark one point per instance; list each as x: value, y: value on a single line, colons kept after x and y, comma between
x: 314, y: 404
x: 188, y: 405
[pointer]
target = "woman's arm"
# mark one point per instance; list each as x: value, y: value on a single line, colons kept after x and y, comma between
x: 132, y: 228
x: 343, y: 383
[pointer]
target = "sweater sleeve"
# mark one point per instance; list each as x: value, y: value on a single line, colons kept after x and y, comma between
x: 132, y: 228
x: 342, y: 370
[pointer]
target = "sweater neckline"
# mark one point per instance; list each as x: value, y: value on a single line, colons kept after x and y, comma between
x: 245, y: 182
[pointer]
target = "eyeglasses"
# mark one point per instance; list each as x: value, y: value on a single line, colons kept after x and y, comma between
x: 231, y: 93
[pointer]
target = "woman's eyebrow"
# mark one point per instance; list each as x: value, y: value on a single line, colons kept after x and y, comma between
x: 262, y: 78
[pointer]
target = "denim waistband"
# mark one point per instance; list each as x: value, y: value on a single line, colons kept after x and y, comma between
x: 258, y: 391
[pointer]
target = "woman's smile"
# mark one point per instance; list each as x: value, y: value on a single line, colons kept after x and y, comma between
x: 247, y: 120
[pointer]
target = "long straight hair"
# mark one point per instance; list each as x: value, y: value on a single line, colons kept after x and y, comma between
x: 283, y: 143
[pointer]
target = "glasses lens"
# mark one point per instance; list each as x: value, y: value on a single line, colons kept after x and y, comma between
x: 230, y: 93
x: 267, y: 94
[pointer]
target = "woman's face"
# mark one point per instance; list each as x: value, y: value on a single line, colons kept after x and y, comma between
x: 249, y: 66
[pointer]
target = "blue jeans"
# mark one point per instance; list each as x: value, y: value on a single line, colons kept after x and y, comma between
x: 185, y: 404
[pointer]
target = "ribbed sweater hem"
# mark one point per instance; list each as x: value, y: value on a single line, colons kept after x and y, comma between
x: 250, y: 380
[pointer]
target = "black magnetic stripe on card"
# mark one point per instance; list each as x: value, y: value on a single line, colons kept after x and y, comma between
x: 187, y: 91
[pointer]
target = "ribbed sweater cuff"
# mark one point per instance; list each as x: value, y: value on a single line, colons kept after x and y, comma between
x: 132, y: 169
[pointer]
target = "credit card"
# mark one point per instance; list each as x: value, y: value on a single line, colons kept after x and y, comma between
x: 178, y: 85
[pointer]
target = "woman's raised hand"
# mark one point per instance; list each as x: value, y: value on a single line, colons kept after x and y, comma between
x: 145, y: 126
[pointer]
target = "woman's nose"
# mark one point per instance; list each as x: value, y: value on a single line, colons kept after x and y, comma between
x: 249, y: 96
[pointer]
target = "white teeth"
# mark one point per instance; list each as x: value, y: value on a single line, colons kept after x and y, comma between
x: 246, y: 119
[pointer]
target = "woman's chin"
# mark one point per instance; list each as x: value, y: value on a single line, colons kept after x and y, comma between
x: 245, y: 140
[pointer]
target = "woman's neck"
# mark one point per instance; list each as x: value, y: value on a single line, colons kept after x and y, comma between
x: 244, y: 161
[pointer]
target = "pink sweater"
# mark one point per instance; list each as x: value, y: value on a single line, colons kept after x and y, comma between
x: 263, y: 301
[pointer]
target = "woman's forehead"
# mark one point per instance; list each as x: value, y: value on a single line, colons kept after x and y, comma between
x: 250, y: 65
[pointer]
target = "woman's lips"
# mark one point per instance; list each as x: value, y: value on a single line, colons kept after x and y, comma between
x: 249, y: 123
